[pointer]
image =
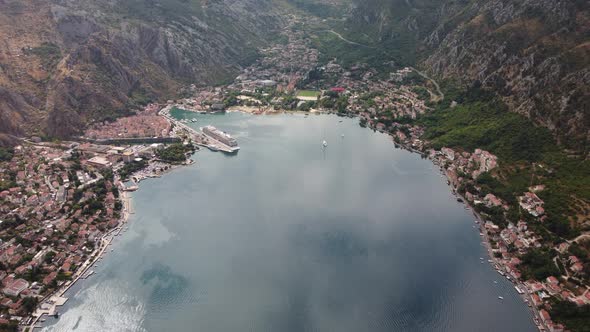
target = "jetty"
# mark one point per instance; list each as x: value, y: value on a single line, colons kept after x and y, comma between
x: 199, y: 138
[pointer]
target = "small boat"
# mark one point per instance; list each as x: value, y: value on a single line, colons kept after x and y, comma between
x: 495, y: 282
x: 342, y: 135
x: 500, y: 297
x: 324, y: 143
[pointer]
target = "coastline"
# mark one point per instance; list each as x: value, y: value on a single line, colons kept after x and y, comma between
x: 493, y: 261
x: 57, y: 297
x: 48, y: 306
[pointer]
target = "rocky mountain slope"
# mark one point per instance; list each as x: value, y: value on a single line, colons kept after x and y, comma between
x: 66, y: 63
x: 533, y: 53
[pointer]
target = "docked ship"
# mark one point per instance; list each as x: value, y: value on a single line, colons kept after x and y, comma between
x: 228, y: 143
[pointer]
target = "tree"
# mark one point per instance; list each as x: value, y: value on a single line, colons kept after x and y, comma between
x: 30, y: 303
x: 49, y: 257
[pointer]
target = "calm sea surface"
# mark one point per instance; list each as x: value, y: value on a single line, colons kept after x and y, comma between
x: 287, y: 236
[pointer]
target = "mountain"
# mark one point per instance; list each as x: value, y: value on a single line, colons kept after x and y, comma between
x: 66, y: 63
x: 535, y: 54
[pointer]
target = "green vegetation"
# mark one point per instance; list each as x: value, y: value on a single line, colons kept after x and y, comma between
x: 421, y: 92
x: 487, y: 124
x: 168, y: 10
x: 6, y: 184
x: 29, y: 303
x: 318, y: 8
x: 175, y: 153
x: 49, y: 53
x: 527, y: 155
x: 308, y: 93
x: 576, y: 318
x: 538, y: 264
x: 139, y: 96
x: 6, y: 154
x: 12, y: 326
x: 132, y: 167
x: 334, y: 101
x: 332, y: 47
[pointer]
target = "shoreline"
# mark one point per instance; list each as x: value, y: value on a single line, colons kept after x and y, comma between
x: 107, y: 239
x: 493, y: 261
x: 56, y: 298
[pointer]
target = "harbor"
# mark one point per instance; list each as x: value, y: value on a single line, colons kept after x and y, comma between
x: 211, y: 139
x: 320, y: 234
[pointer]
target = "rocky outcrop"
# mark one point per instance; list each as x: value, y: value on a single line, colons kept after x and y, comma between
x: 534, y: 53
x: 15, y: 109
x: 87, y: 60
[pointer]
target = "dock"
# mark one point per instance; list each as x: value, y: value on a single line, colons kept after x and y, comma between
x: 199, y: 138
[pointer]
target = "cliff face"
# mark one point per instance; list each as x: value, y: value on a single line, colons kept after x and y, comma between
x: 65, y: 63
x: 533, y: 53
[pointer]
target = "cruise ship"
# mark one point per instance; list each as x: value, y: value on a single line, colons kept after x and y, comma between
x: 230, y: 143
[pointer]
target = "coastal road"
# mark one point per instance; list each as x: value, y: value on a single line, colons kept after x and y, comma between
x: 105, y: 241
x: 527, y: 296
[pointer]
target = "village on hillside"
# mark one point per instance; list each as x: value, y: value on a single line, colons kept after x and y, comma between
x: 62, y: 203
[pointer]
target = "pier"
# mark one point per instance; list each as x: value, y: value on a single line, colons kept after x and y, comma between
x: 198, y: 137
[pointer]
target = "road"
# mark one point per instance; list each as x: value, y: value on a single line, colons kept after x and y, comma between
x: 105, y: 241
x: 441, y: 95
x: 580, y: 237
x: 346, y: 40
x: 438, y: 90
x: 527, y: 296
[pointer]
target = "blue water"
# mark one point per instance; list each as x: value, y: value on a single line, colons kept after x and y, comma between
x: 287, y: 236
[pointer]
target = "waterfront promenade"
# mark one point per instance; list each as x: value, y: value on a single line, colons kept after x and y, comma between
x: 49, y: 305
